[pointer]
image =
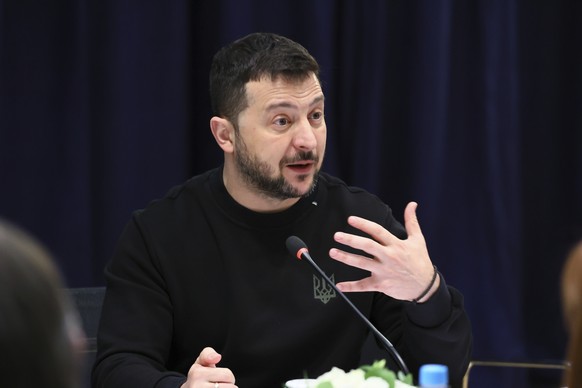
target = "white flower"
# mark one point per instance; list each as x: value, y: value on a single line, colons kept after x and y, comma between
x: 378, y: 377
x: 374, y: 382
x: 400, y: 384
x: 334, y: 374
x: 353, y: 379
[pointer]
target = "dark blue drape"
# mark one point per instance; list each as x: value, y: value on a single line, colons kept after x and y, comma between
x: 473, y: 109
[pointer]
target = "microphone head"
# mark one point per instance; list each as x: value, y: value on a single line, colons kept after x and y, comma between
x: 296, y: 246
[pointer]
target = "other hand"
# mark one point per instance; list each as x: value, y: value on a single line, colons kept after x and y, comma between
x: 205, y: 374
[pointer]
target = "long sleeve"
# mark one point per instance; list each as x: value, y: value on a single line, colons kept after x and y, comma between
x: 134, y: 339
x: 437, y: 331
x: 440, y: 324
x: 196, y: 269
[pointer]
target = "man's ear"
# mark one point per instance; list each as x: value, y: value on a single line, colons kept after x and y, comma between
x: 223, y: 132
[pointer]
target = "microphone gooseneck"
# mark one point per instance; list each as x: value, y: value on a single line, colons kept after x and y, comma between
x: 298, y: 248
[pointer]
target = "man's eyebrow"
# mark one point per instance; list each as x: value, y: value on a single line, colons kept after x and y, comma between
x: 317, y: 100
x: 286, y: 104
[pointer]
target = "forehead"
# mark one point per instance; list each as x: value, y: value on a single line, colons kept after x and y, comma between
x: 265, y: 92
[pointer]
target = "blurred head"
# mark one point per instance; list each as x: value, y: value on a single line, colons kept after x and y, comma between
x: 572, y: 287
x: 572, y: 308
x: 37, y: 326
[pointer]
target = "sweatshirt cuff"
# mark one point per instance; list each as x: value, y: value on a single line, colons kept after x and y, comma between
x: 434, y: 311
x: 173, y: 380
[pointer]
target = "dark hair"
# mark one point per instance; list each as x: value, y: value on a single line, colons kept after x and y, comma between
x: 37, y: 350
x: 249, y: 59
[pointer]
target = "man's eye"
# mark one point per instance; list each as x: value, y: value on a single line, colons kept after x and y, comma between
x: 316, y: 115
x: 281, y: 121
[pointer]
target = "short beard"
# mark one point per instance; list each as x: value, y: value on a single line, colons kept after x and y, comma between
x: 258, y: 173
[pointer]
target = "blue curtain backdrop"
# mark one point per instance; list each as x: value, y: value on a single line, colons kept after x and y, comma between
x: 471, y: 108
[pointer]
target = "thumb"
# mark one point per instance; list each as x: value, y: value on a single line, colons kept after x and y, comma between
x: 208, y: 357
x: 410, y: 220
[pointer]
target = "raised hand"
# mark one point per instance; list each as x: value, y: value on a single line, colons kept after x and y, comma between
x: 399, y: 268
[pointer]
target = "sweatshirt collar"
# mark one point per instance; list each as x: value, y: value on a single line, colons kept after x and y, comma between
x: 242, y: 215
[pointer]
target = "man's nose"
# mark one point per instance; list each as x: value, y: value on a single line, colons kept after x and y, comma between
x: 305, y: 136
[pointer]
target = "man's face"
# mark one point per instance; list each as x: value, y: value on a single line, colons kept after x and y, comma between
x: 280, y: 141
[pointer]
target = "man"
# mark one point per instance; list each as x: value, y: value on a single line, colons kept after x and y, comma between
x: 201, y: 290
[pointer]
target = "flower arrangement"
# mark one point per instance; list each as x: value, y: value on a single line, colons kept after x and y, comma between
x: 366, y: 376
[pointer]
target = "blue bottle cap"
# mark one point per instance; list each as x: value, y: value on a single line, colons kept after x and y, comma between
x: 433, y: 375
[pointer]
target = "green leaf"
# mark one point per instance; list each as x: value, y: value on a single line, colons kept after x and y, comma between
x: 384, y: 374
x: 325, y: 384
x: 378, y: 369
x: 405, y: 378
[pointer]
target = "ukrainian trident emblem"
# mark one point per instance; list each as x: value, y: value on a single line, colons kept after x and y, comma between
x: 321, y: 290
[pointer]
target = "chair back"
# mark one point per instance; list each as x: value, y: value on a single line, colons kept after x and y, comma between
x: 558, y: 366
x: 88, y: 302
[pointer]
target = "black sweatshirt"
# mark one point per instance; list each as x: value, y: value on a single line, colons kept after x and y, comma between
x: 197, y: 269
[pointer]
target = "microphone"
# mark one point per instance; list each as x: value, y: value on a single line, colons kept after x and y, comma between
x: 297, y: 247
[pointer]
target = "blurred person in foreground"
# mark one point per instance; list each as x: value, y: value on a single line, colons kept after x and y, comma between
x: 572, y: 308
x: 201, y: 290
x: 40, y: 337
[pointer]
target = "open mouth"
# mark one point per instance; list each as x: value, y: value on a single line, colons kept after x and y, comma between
x: 301, y: 167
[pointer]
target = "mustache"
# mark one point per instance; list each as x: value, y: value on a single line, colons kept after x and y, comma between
x: 301, y: 156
